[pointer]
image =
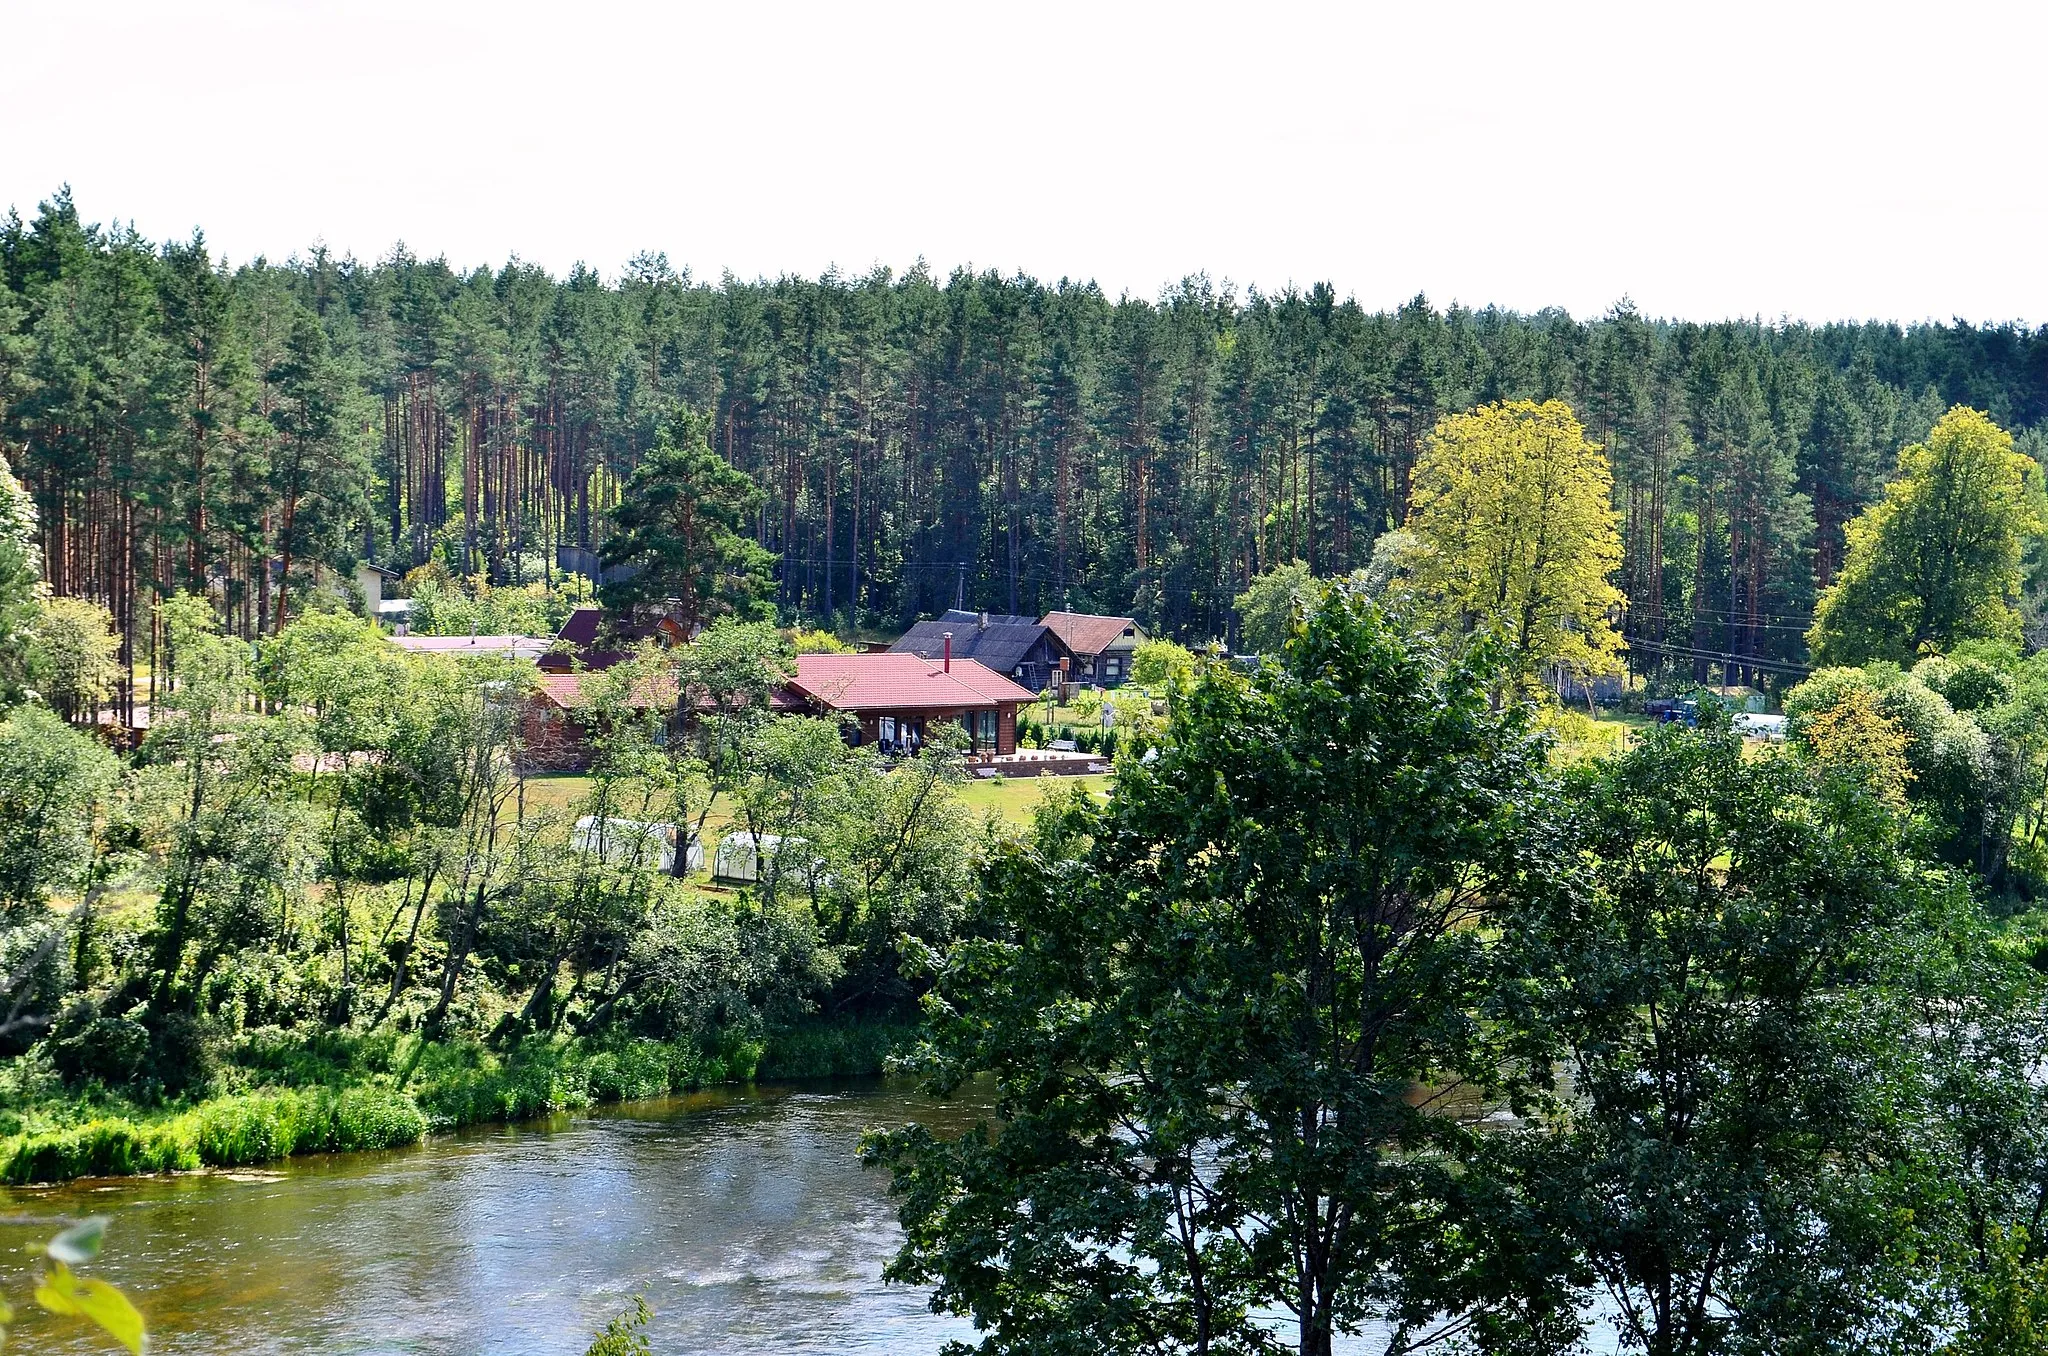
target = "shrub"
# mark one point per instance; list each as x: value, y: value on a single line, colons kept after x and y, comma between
x: 833, y: 1051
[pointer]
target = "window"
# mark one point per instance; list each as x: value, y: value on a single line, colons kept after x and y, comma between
x: 988, y: 730
x: 885, y: 730
x: 1113, y: 667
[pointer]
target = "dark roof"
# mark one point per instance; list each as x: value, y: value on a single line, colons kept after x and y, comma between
x: 1000, y: 646
x: 1087, y: 633
x: 955, y: 616
x: 581, y: 628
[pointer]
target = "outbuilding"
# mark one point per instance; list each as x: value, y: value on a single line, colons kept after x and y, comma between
x: 635, y: 842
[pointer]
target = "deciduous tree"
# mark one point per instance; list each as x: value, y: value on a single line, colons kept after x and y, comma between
x: 1206, y: 1008
x: 1517, y: 535
x: 1936, y: 559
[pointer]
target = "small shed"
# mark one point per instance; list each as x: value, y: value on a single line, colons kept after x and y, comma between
x: 636, y: 842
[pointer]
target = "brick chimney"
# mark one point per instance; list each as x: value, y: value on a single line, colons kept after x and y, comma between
x: 949, y: 651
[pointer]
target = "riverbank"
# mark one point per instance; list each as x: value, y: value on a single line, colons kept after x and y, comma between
x: 383, y: 1090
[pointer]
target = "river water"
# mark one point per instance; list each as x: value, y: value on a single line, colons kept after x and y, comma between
x: 741, y: 1215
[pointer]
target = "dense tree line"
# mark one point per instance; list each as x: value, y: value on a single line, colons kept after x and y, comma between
x: 914, y: 439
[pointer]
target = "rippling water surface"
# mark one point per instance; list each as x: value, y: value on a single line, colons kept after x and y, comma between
x: 741, y: 1216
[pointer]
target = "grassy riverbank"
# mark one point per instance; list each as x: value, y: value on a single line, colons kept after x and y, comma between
x: 381, y: 1091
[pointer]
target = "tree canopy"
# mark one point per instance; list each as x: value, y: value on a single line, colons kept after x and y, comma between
x: 1204, y: 1007
x: 1936, y: 559
x: 1517, y: 537
x: 681, y: 528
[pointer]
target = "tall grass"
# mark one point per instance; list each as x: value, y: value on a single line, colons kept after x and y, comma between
x: 227, y: 1132
x: 400, y: 1090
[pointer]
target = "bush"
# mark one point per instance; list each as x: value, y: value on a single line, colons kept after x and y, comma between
x: 86, y: 1046
x: 261, y: 1127
x: 833, y: 1051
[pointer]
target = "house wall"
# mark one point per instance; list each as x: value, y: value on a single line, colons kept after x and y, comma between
x: 552, y: 740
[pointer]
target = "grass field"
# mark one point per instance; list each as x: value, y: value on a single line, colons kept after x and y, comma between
x: 1012, y: 799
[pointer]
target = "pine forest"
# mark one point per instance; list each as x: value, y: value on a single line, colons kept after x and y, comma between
x: 1001, y: 442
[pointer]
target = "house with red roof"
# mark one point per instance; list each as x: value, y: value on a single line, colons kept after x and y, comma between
x: 556, y: 724
x: 590, y: 639
x: 1102, y: 646
x: 893, y: 702
x: 897, y: 701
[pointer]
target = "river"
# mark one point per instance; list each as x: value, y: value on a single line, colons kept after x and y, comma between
x: 740, y: 1214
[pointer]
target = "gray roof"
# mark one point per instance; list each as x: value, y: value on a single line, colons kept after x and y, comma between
x: 1001, y: 645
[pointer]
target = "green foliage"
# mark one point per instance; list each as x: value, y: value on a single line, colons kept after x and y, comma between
x: 20, y: 579
x: 1271, y: 605
x: 1731, y: 994
x: 53, y: 784
x: 682, y: 522
x: 1937, y: 559
x: 623, y: 1336
x: 472, y: 605
x: 1203, y: 1006
x: 227, y: 1132
x: 61, y: 1290
x: 2007, y: 1305
x: 1517, y: 538
x: 71, y: 655
x: 1160, y: 663
x: 803, y: 641
x: 835, y: 1050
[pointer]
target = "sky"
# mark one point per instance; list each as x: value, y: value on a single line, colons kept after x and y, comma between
x: 1810, y: 161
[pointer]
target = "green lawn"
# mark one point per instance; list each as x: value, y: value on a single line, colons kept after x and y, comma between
x: 1013, y: 798
x: 1010, y: 798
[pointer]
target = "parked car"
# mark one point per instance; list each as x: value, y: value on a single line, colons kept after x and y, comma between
x: 1673, y: 710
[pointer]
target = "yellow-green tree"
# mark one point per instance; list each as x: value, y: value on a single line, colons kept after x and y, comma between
x: 1517, y: 537
x: 1936, y: 560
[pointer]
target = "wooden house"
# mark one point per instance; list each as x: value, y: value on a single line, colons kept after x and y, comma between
x: 1022, y: 649
x: 898, y: 700
x: 1102, y: 646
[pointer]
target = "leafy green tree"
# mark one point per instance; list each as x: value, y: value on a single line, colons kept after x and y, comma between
x: 215, y: 799
x: 682, y: 523
x: 1204, y: 1008
x: 1516, y: 535
x: 20, y: 574
x: 1956, y: 778
x: 1736, y: 1161
x: 71, y: 656
x: 53, y: 782
x: 1936, y: 560
x: 1272, y: 604
x: 1158, y: 662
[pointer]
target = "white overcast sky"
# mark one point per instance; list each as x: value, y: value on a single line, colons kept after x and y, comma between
x: 1709, y: 160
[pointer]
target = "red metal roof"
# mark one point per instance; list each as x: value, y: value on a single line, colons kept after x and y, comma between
x: 900, y: 682
x: 1084, y: 632
x: 566, y: 690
